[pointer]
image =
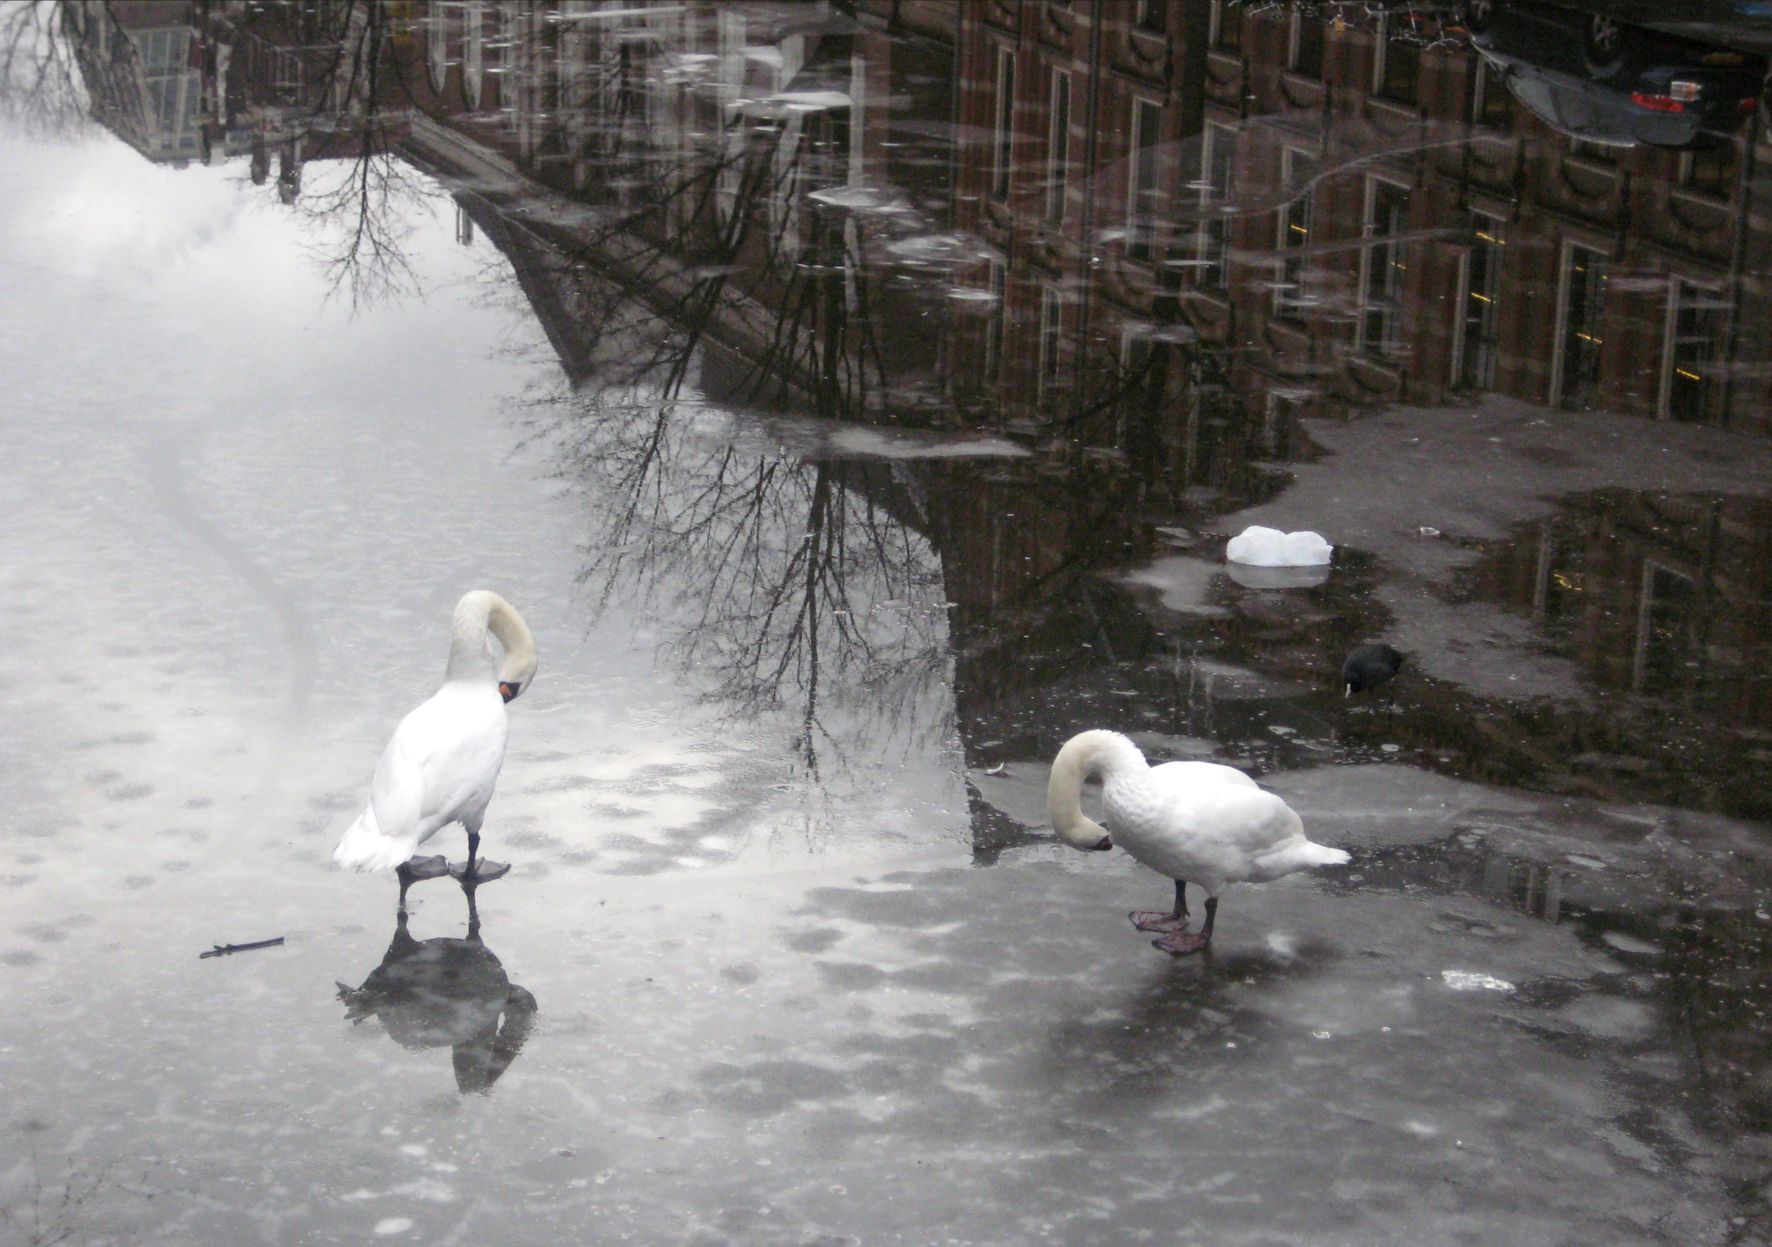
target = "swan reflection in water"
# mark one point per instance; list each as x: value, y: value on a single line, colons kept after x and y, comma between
x: 437, y: 992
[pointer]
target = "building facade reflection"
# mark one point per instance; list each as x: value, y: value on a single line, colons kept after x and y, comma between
x: 1145, y: 240
x: 1352, y: 209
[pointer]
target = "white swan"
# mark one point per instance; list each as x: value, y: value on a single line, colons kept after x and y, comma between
x: 1187, y: 820
x: 443, y: 760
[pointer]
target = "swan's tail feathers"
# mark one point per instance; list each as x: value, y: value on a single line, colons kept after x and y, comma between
x: 364, y: 847
x: 1314, y: 854
x: 1301, y: 855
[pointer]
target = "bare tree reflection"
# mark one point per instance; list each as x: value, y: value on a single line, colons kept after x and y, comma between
x: 301, y: 85
x: 330, y: 76
x: 786, y: 582
x: 40, y: 88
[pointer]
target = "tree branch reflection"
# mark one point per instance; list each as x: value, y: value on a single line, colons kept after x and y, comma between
x: 784, y: 581
x: 40, y: 88
x: 331, y: 77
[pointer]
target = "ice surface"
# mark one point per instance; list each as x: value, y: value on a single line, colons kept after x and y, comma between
x: 861, y: 199
x: 939, y: 249
x: 1185, y: 584
x: 1475, y: 474
x: 772, y: 999
x: 810, y: 101
x: 854, y: 440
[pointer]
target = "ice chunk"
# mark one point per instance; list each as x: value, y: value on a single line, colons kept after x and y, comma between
x: 939, y: 249
x: 811, y: 101
x: 1468, y: 981
x: 1269, y: 547
x: 1629, y: 943
x: 1252, y: 577
x: 860, y: 199
x: 1186, y: 583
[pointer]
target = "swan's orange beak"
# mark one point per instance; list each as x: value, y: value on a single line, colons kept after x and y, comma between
x: 507, y: 690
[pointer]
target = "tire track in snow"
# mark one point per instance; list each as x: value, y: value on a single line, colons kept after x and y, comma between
x: 165, y: 464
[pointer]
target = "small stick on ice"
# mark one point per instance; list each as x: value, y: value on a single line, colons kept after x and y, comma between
x: 222, y: 950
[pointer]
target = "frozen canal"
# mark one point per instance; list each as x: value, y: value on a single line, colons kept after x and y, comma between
x: 824, y: 565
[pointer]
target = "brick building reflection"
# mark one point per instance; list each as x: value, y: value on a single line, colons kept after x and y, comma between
x: 1658, y: 595
x: 187, y: 81
x: 1145, y: 238
x: 1353, y: 211
x: 1214, y: 218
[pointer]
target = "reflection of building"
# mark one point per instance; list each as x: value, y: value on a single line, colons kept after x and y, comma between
x: 1350, y: 211
x: 181, y: 80
x: 1661, y: 595
x: 1313, y: 213
x: 719, y: 138
x: 1156, y: 238
x: 1142, y: 237
x: 143, y: 65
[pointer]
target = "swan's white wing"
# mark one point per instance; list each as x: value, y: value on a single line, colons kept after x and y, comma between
x: 1244, y: 821
x: 1212, y: 833
x: 439, y: 767
x: 397, y: 794
x: 459, y: 738
x: 1202, y: 772
x: 387, y: 831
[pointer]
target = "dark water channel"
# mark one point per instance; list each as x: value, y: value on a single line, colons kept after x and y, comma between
x: 857, y: 400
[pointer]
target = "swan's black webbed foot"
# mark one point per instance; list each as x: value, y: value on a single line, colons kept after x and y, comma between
x: 473, y: 874
x: 414, y: 869
x: 433, y: 867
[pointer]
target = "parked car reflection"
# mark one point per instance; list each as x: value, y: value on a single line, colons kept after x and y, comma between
x: 1595, y: 78
x: 454, y: 992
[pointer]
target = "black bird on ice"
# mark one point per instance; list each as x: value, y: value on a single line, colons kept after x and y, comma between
x: 1369, y: 666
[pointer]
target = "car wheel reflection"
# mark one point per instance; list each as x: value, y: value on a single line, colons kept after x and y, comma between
x: 1602, y: 45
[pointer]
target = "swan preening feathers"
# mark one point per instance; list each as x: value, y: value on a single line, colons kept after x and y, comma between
x: 1192, y: 821
x: 443, y: 759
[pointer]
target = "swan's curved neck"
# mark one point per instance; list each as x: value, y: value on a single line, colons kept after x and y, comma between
x: 1089, y: 753
x: 478, y: 613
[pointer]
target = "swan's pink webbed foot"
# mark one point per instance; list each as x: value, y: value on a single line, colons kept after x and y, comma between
x: 1181, y: 943
x: 1157, y: 920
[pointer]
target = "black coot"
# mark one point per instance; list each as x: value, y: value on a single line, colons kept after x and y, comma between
x: 1369, y: 666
